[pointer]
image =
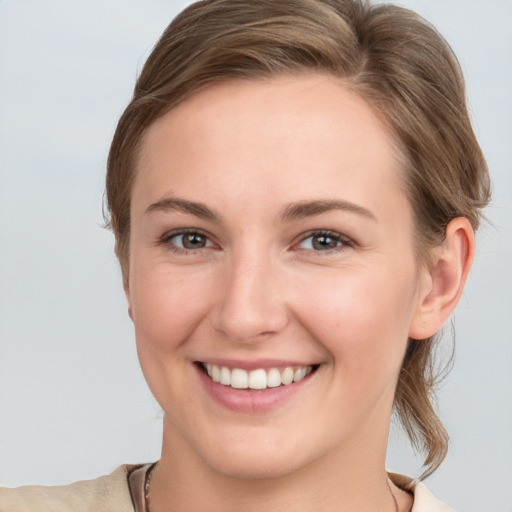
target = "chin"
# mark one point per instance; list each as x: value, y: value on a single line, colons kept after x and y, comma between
x: 249, y: 468
x: 258, y: 457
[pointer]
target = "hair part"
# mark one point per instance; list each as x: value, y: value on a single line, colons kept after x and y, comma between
x: 388, y: 55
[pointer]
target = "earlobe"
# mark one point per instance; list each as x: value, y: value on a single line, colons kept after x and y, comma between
x: 126, y: 281
x: 445, y: 278
x: 126, y: 287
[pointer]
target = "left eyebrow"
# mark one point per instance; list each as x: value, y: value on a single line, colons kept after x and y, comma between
x: 304, y: 209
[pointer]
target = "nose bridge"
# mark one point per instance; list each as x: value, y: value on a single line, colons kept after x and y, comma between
x: 249, y: 301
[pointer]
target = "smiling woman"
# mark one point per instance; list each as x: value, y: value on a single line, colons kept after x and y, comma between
x: 294, y: 189
x: 325, y: 217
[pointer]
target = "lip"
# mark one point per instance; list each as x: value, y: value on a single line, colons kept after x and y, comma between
x: 250, y: 400
x: 256, y: 364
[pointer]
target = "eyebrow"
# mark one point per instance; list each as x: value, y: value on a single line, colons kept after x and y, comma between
x: 182, y: 205
x: 310, y: 208
x: 293, y: 211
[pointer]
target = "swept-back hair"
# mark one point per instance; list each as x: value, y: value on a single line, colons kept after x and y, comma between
x: 388, y: 55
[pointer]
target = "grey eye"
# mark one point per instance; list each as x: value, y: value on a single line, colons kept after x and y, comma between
x: 321, y: 242
x: 190, y: 241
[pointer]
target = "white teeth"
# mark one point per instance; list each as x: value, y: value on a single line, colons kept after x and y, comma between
x: 273, y: 378
x: 225, y: 376
x: 239, y: 379
x: 256, y: 379
x: 287, y: 376
x: 299, y: 374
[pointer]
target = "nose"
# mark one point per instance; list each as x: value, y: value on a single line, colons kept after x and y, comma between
x: 251, y: 303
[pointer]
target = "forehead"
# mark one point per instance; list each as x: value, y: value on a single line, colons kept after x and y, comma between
x: 304, y: 135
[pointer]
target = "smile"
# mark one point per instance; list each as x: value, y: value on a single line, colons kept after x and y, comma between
x: 260, y: 378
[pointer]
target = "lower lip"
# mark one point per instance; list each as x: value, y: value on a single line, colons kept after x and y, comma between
x: 250, y: 400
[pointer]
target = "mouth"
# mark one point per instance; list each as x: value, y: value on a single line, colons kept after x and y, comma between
x: 257, y: 379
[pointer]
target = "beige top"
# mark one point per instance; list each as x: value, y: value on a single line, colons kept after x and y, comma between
x: 111, y: 493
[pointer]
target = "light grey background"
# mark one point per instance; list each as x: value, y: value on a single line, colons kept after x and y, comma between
x: 73, y: 402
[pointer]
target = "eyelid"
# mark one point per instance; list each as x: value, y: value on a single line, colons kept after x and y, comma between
x: 340, y: 237
x: 344, y: 240
x: 166, y: 238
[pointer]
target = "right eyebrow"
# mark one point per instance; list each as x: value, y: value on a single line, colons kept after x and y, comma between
x: 167, y: 204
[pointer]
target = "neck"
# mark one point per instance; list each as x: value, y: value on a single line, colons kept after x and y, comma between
x: 352, y: 480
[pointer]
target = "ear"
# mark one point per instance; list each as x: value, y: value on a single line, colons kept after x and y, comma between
x: 126, y: 282
x: 126, y: 287
x: 444, y: 279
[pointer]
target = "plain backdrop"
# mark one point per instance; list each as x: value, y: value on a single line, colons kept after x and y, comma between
x: 73, y: 402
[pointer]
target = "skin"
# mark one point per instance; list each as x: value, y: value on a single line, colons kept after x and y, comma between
x: 258, y: 286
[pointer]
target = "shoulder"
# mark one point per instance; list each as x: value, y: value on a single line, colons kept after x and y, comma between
x: 109, y: 493
x: 424, y: 500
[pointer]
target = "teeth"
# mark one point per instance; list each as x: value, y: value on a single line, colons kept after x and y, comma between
x: 299, y: 374
x: 239, y: 379
x: 225, y: 376
x: 256, y: 379
x: 287, y: 376
x: 273, y: 378
x: 215, y: 373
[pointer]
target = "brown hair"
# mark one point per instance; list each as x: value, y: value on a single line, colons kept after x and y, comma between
x: 390, y: 56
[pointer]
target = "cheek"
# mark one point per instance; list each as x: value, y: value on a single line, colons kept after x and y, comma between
x: 167, y: 306
x: 362, y: 316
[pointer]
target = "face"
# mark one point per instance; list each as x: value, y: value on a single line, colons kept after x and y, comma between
x: 271, y: 240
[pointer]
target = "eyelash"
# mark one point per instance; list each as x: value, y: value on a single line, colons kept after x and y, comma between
x: 167, y: 240
x: 342, y: 240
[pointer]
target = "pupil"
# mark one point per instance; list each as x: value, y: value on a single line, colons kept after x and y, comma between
x: 193, y: 241
x: 324, y: 242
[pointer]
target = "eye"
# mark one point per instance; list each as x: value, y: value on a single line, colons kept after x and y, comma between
x: 186, y: 240
x: 324, y: 241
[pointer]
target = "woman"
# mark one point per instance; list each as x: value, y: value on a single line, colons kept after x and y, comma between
x: 294, y: 190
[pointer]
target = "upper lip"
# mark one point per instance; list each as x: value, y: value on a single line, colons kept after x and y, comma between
x: 249, y: 365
